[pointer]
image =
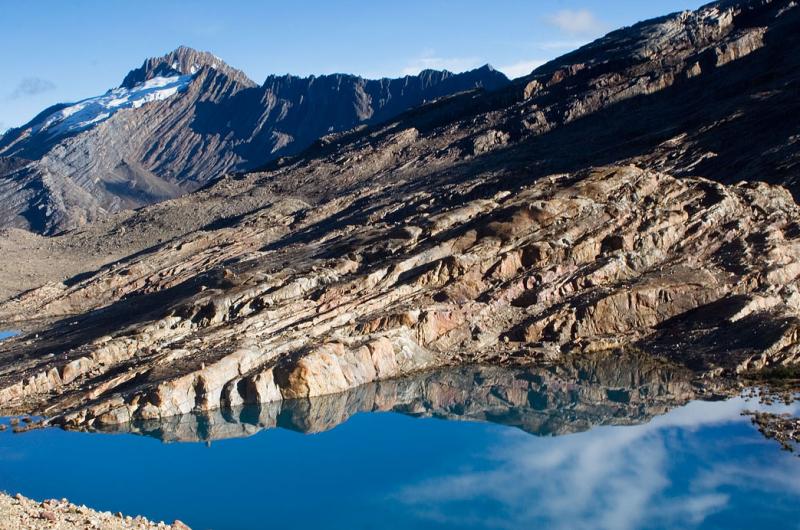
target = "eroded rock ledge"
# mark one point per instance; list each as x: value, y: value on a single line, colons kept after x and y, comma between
x: 615, y: 257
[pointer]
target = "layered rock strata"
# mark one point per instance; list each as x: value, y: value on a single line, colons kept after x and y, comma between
x: 568, y: 263
x: 525, y: 224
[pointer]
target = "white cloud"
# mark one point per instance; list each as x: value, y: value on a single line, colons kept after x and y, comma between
x: 430, y: 61
x: 521, y: 68
x: 577, y: 22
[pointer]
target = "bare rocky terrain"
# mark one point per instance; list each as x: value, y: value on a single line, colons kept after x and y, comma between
x: 21, y: 513
x: 635, y: 195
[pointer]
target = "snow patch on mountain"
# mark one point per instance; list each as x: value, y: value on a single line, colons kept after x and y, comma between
x: 91, y: 111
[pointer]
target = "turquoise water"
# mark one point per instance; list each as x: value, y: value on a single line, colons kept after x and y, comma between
x: 570, y: 463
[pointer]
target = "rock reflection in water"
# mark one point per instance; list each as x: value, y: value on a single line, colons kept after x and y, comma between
x: 542, y: 400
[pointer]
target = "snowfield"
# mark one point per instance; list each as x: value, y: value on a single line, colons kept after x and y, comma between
x: 91, y: 111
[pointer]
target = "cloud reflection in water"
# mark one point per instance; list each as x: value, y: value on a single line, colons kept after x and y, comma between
x: 613, y: 477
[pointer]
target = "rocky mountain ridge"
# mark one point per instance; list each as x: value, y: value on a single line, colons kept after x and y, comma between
x: 179, y: 121
x: 600, y: 204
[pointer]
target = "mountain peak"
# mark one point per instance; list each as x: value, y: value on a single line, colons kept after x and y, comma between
x: 183, y: 60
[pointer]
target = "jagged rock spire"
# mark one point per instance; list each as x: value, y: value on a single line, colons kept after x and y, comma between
x: 183, y: 60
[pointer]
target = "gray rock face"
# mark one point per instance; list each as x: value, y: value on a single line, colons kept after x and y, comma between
x: 183, y: 60
x: 287, y: 113
x: 95, y: 157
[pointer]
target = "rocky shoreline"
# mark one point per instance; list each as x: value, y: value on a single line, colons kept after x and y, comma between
x: 21, y: 513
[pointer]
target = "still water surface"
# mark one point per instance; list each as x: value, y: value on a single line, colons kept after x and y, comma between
x: 574, y: 456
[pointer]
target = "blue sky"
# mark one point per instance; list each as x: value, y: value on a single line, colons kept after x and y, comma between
x: 65, y: 51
